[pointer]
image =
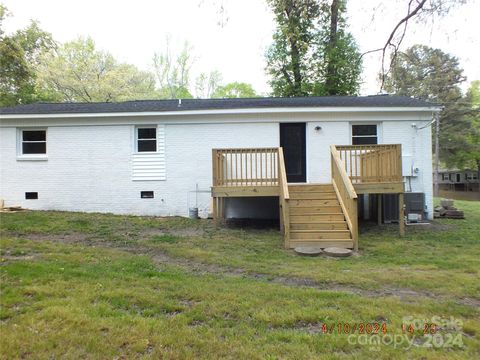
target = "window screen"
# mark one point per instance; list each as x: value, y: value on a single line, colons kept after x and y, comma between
x: 34, y: 142
x: 146, y: 139
x: 364, y: 134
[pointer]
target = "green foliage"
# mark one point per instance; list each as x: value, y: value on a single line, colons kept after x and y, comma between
x: 435, y: 76
x: 77, y: 71
x: 464, y: 137
x: 235, y: 90
x: 312, y: 53
x: 426, y: 73
x: 289, y: 58
x: 34, y: 68
x: 173, y: 75
x: 207, y: 84
x: 474, y: 93
x: 20, y: 54
x: 339, y: 63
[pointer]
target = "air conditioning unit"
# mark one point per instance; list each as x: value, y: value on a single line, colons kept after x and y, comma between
x: 414, y: 206
x: 414, y: 218
x: 414, y: 203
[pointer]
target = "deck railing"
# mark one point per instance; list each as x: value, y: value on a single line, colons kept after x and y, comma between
x: 284, y: 198
x: 245, y: 167
x: 345, y: 193
x: 372, y: 163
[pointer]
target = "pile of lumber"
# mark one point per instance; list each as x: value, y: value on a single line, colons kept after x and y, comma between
x: 446, y: 210
x: 9, y: 208
x: 12, y: 209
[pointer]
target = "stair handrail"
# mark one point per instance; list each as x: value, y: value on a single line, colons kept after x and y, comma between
x: 284, y: 197
x: 346, y: 193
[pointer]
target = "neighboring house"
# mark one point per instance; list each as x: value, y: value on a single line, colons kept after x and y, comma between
x: 149, y: 158
x: 458, y: 180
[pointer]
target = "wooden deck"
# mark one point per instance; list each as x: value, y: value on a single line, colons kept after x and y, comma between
x: 310, y: 214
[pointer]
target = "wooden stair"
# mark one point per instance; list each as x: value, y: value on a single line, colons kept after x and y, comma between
x: 316, y: 217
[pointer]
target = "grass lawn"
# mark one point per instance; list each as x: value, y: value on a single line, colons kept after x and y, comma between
x: 76, y: 285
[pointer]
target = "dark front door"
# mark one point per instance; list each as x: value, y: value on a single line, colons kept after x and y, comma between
x: 292, y: 140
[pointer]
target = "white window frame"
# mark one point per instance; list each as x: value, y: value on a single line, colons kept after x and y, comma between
x: 31, y: 157
x: 377, y: 124
x: 469, y: 176
x: 137, y: 139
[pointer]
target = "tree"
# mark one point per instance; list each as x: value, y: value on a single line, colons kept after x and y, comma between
x: 290, y: 56
x: 463, y: 142
x: 173, y: 75
x: 207, y: 84
x: 312, y: 54
x: 338, y: 55
x: 19, y: 59
x: 474, y: 93
x: 435, y: 76
x: 77, y: 71
x: 235, y: 90
x: 416, y: 11
x: 426, y: 73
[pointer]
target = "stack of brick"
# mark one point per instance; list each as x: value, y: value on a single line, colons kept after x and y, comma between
x: 446, y: 210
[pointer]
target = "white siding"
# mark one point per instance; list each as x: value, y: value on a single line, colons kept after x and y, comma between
x: 148, y: 166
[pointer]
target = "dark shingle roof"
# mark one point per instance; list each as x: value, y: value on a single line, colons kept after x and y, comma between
x: 215, y: 104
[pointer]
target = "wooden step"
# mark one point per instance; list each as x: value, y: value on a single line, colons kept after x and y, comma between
x: 313, y: 195
x: 310, y: 187
x: 324, y: 243
x: 319, y: 234
x: 302, y: 210
x: 310, y: 202
x: 326, y: 225
x: 316, y: 217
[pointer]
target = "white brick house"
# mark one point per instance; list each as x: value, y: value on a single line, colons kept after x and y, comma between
x: 113, y: 157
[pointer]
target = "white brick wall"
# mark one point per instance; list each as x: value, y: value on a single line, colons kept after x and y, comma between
x: 417, y: 148
x: 89, y: 166
x: 318, y: 147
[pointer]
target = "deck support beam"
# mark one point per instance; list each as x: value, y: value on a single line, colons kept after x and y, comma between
x: 379, y: 209
x: 401, y: 215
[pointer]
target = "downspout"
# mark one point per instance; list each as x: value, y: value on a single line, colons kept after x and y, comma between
x: 437, y: 155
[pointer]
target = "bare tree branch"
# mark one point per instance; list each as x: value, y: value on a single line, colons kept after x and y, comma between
x: 389, y: 43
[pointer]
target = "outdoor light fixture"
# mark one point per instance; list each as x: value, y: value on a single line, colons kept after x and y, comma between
x: 318, y: 128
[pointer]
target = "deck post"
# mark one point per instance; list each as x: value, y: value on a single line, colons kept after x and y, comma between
x: 282, y: 226
x: 215, y: 210
x: 379, y: 209
x: 401, y: 215
x: 222, y: 209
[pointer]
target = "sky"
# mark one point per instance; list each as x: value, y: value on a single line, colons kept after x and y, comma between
x: 234, y: 41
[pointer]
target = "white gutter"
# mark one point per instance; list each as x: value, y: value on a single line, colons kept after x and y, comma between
x: 224, y: 111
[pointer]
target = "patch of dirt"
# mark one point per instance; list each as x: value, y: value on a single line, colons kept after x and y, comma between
x: 16, y: 257
x: 310, y: 328
x: 160, y: 258
x: 187, y: 232
x: 433, y: 225
x: 7, y: 256
x: 73, y: 238
x: 405, y: 295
